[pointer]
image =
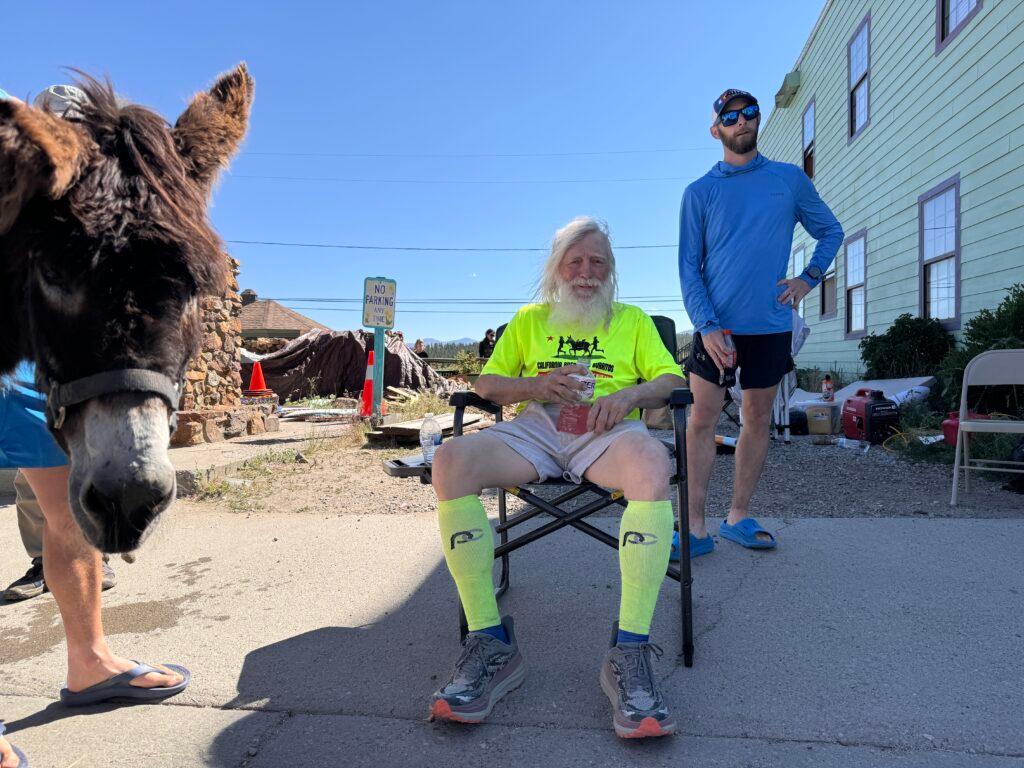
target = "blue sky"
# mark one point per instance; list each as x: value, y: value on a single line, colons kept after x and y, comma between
x: 443, y: 124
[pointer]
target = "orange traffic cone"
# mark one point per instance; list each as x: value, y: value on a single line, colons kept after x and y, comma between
x: 257, y: 386
x: 367, y: 406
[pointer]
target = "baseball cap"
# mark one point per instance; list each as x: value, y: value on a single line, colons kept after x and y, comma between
x: 62, y: 100
x: 726, y: 97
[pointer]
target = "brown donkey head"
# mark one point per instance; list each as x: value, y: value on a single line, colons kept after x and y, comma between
x: 105, y: 249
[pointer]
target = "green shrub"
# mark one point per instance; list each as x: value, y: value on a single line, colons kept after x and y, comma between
x: 999, y: 329
x: 912, y: 346
x: 466, y: 363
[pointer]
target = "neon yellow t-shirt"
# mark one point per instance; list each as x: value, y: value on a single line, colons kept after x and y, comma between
x: 630, y: 349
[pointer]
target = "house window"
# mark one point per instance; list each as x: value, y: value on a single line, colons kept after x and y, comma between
x: 856, y: 285
x: 859, y: 65
x: 939, y: 243
x: 799, y: 262
x: 809, y: 140
x: 950, y: 17
x: 828, y: 294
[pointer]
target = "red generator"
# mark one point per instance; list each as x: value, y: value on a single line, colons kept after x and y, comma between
x: 868, y: 415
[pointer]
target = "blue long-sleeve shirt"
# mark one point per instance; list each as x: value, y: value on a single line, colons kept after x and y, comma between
x: 735, y: 238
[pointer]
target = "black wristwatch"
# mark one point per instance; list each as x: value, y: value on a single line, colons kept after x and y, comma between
x: 814, y: 273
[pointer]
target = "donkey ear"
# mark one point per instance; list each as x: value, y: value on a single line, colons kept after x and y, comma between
x: 209, y: 131
x: 39, y: 154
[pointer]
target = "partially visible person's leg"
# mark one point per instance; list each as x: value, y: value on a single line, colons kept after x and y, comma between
x: 30, y: 517
x: 708, y: 399
x: 751, y: 452
x: 73, y: 571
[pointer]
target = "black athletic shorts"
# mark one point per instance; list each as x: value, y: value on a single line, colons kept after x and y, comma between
x: 764, y: 360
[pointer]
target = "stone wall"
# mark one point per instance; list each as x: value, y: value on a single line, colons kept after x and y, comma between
x: 213, y: 378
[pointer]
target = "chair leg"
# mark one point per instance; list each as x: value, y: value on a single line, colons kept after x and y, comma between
x: 956, y: 469
x: 504, y: 574
x: 463, y: 624
x: 967, y: 462
x: 683, y: 511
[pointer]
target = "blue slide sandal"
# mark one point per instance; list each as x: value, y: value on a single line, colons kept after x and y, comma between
x: 698, y: 547
x: 21, y: 756
x: 745, y: 533
x: 120, y: 688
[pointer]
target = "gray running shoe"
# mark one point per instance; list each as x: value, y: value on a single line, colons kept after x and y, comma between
x: 486, y: 670
x: 109, y: 577
x: 627, y: 678
x: 29, y: 585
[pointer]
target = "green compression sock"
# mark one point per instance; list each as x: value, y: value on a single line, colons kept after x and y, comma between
x: 469, y: 551
x: 645, y: 541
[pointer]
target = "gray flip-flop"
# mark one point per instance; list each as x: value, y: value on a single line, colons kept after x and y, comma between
x: 120, y: 688
x: 21, y: 756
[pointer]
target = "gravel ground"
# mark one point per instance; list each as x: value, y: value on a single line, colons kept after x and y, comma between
x: 799, y: 480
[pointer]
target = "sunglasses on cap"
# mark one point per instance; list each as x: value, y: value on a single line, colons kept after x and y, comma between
x: 750, y: 112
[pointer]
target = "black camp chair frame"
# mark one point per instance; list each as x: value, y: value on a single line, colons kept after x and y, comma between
x: 678, y: 402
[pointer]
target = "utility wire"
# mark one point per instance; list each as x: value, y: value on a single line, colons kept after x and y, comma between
x: 350, y: 247
x: 443, y: 311
x: 519, y: 302
x: 348, y: 180
x: 483, y: 154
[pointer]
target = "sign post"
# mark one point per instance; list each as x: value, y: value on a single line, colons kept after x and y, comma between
x: 379, y: 314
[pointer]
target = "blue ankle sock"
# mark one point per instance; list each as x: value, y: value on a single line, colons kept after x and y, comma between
x: 630, y: 637
x: 497, y: 631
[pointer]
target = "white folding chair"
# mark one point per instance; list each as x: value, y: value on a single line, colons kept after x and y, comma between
x: 997, y: 367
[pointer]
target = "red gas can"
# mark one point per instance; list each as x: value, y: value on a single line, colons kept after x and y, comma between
x: 868, y: 415
x: 951, y: 425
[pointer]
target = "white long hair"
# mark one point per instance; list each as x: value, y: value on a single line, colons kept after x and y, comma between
x: 551, y: 289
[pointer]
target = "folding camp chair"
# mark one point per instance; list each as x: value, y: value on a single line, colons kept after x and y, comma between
x: 678, y: 401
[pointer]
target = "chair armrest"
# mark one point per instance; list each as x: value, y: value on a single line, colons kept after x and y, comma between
x: 680, y: 398
x: 464, y: 399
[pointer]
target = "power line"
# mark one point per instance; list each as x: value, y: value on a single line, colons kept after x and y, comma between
x: 350, y: 247
x: 442, y: 311
x: 347, y: 180
x: 518, y: 302
x: 484, y: 154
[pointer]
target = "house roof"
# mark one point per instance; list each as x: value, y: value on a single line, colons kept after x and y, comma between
x: 268, y: 315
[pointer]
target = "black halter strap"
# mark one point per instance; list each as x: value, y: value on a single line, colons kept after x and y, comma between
x: 125, y: 380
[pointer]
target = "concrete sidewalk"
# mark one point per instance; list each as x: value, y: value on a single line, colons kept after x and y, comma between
x: 316, y: 642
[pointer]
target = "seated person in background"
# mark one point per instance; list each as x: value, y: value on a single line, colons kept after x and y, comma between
x: 419, y: 350
x: 486, y: 347
x: 558, y: 434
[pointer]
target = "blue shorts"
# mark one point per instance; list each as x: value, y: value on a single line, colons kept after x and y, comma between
x: 25, y: 440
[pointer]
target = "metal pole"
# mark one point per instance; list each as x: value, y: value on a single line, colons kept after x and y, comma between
x: 378, y: 374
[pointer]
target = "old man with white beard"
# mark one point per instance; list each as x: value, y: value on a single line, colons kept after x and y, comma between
x: 565, y: 430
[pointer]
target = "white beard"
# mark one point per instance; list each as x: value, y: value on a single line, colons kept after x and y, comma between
x: 572, y: 311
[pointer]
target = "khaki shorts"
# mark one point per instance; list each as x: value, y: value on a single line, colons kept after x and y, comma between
x: 533, y: 436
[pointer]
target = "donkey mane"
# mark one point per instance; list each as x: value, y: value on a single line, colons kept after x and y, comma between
x: 137, y: 185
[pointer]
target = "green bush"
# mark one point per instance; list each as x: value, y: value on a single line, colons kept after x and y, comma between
x: 466, y: 363
x: 912, y: 346
x: 999, y: 329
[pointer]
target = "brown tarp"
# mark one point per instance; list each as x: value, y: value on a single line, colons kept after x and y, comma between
x: 334, y: 363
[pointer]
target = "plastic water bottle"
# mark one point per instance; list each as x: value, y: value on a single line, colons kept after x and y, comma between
x: 730, y: 347
x: 862, y: 446
x: 430, y: 437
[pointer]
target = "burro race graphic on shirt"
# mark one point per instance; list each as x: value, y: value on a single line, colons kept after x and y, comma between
x: 570, y: 348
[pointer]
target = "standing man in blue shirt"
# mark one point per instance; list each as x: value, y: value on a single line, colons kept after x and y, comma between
x: 735, y: 236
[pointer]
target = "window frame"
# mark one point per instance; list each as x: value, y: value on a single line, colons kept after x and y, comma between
x: 849, y: 334
x: 803, y: 137
x: 850, y: 137
x: 953, y: 182
x: 801, y: 308
x: 834, y: 273
x: 940, y: 41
